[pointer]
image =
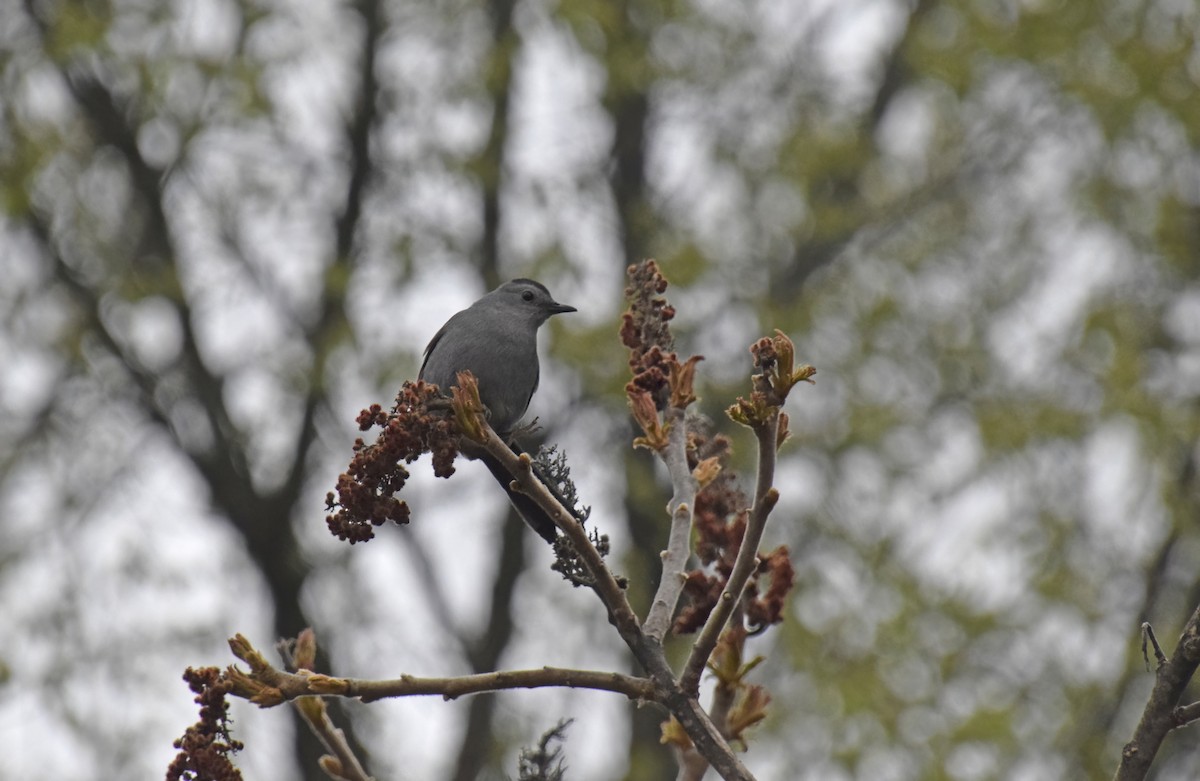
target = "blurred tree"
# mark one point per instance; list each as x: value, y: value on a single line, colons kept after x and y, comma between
x: 222, y: 222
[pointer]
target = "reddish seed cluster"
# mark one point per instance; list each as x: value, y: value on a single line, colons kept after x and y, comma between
x: 205, y: 747
x: 720, y: 524
x: 366, y: 491
x: 767, y: 609
x: 645, y: 331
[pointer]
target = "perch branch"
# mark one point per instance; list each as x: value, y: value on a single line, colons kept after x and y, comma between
x: 765, y: 498
x: 605, y: 585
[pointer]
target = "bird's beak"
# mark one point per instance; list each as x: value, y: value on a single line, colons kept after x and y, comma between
x: 558, y: 309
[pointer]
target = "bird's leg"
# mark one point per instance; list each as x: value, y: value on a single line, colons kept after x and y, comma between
x: 523, y: 429
x: 447, y: 403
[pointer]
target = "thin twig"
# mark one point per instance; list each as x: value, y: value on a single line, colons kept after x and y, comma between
x: 681, y: 508
x: 268, y: 686
x: 634, y: 688
x: 765, y: 498
x: 1186, y: 714
x: 341, y: 764
x: 1148, y: 634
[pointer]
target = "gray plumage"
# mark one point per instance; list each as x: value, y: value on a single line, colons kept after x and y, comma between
x: 496, y: 339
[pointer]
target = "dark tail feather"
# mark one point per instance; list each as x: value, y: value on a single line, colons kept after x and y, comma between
x: 534, y: 516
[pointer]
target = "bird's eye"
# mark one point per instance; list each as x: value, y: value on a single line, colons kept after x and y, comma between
x: 527, y: 295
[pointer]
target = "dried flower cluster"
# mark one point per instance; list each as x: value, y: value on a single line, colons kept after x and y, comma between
x: 659, y: 378
x: 720, y: 523
x: 205, y: 747
x: 420, y: 422
x: 645, y: 331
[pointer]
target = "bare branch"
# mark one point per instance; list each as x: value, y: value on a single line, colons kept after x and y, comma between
x: 681, y: 507
x: 267, y: 686
x: 765, y: 498
x: 300, y: 656
x: 1186, y: 714
x: 1161, y: 714
x: 641, y: 689
x: 1148, y: 634
x: 341, y: 763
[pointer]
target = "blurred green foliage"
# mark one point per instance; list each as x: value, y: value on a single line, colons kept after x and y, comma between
x: 979, y: 220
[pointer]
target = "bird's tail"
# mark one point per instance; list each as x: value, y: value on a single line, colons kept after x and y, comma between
x: 533, y: 515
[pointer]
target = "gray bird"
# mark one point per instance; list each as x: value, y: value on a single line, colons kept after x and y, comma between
x: 496, y: 340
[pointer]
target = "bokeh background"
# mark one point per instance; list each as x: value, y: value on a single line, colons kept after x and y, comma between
x: 228, y: 225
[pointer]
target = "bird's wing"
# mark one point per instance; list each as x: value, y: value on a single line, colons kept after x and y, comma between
x: 537, y: 376
x: 429, y: 349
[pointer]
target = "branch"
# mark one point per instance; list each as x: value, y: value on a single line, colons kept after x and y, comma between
x: 640, y: 689
x: 708, y: 740
x: 1186, y: 714
x: 300, y: 655
x: 681, y: 702
x: 765, y: 498
x: 693, y: 766
x: 681, y: 507
x: 604, y: 584
x: 1148, y: 635
x: 340, y: 763
x: 268, y: 686
x: 1161, y: 714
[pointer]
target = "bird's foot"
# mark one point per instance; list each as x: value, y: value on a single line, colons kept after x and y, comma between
x: 523, y: 429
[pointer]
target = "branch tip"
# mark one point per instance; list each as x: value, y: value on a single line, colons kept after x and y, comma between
x: 1148, y: 635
